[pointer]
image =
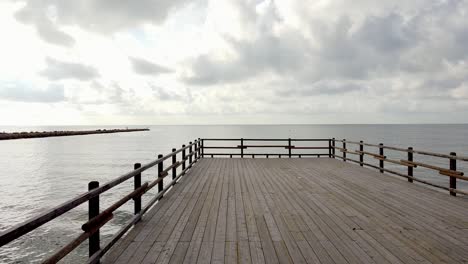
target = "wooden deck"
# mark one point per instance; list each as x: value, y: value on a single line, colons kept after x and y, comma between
x: 317, y: 210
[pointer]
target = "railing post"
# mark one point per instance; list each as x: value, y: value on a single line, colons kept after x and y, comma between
x: 202, y: 148
x: 361, y: 155
x: 199, y: 148
x: 289, y: 147
x: 183, y: 157
x: 344, y: 150
x: 242, y: 147
x: 137, y: 184
x: 93, y: 211
x: 334, y: 150
x: 190, y: 155
x: 329, y: 149
x: 174, y: 160
x: 195, y: 151
x: 453, y: 167
x: 410, y: 159
x: 381, y: 162
x: 160, y: 170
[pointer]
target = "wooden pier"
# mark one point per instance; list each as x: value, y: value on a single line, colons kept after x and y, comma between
x: 298, y: 201
x: 297, y: 211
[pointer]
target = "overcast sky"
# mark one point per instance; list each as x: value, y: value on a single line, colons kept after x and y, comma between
x: 233, y: 61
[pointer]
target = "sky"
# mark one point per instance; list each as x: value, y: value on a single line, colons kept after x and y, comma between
x: 107, y: 62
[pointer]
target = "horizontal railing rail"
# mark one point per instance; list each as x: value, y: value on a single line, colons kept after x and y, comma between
x: 408, y: 162
x: 98, y: 219
x: 252, y: 143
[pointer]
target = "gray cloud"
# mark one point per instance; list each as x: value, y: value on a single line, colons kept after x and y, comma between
x: 378, y: 46
x: 144, y: 67
x: 104, y: 16
x: 60, y: 70
x: 21, y: 92
x: 34, y: 14
x: 265, y: 52
x: 164, y: 95
x: 321, y: 88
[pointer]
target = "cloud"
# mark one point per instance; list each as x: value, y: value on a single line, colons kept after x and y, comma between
x: 104, y: 16
x: 60, y: 70
x: 327, y: 87
x: 22, y: 92
x: 164, y: 95
x: 347, y: 48
x: 251, y: 57
x: 144, y: 67
x: 47, y: 30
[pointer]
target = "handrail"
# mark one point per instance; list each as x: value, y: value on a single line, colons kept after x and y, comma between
x: 427, y: 153
x: 451, y: 171
x: 31, y: 224
x: 289, y: 147
x: 265, y: 139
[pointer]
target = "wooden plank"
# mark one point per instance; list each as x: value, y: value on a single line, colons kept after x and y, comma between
x: 197, y: 237
x: 141, y: 230
x: 179, y: 253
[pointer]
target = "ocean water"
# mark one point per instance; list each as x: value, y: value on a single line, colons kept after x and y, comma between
x: 38, y: 174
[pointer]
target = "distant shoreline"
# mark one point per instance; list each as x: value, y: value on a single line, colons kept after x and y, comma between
x: 43, y: 134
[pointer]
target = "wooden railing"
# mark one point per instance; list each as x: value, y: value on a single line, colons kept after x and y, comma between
x: 98, y: 218
x: 408, y: 162
x: 242, y: 144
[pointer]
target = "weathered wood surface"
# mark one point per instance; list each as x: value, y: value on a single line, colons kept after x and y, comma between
x: 297, y: 211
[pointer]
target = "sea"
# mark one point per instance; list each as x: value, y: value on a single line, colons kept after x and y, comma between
x: 39, y: 174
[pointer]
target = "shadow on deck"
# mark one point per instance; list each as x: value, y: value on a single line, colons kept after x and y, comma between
x: 300, y: 211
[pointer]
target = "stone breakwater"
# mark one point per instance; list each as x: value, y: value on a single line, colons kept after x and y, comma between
x: 36, y: 134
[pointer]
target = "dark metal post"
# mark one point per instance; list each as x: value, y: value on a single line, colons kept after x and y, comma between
x: 183, y: 157
x: 289, y: 147
x: 174, y: 160
x: 242, y: 147
x: 137, y: 184
x: 202, y: 148
x: 93, y: 211
x: 329, y: 149
x: 410, y: 168
x: 344, y: 150
x: 190, y: 155
x: 381, y: 153
x: 453, y: 167
x: 361, y: 155
x: 160, y: 170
